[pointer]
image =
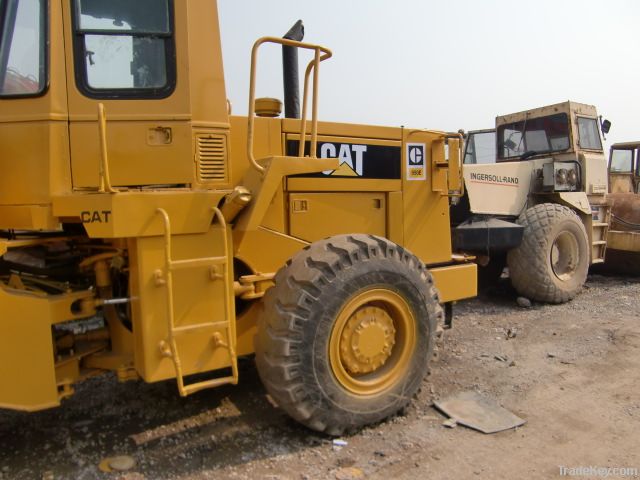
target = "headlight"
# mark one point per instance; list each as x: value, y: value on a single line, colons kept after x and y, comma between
x: 561, y: 176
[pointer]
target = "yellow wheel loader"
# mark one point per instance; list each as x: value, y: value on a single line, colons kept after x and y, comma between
x: 536, y: 199
x: 147, y: 231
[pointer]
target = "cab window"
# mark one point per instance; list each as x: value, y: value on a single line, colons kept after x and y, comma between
x: 588, y: 134
x: 621, y: 161
x: 23, y: 51
x: 124, y: 48
x: 480, y: 147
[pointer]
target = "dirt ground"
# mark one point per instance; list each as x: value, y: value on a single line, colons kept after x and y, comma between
x: 572, y: 371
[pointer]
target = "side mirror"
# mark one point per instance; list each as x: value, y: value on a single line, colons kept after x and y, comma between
x: 605, y: 126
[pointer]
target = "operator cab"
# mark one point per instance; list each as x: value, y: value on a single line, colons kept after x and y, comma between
x: 546, y: 135
x: 150, y: 71
x: 563, y: 140
x: 533, y: 136
x: 624, y: 168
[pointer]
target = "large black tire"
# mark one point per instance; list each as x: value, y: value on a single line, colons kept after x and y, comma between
x: 347, y: 332
x: 552, y: 262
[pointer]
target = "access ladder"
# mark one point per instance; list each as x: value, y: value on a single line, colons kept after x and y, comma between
x: 219, y: 271
x: 599, y: 230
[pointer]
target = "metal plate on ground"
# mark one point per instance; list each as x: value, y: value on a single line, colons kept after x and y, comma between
x: 478, y: 412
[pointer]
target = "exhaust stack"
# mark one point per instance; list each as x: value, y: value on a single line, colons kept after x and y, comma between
x: 290, y: 72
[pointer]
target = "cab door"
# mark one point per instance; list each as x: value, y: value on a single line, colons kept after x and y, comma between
x: 34, y: 142
x: 123, y: 54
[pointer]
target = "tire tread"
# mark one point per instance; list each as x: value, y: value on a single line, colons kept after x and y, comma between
x: 287, y: 303
x: 528, y: 265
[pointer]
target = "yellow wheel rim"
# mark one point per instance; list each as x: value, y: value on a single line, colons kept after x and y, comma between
x: 372, y: 341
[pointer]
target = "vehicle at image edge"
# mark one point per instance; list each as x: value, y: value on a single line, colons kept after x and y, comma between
x: 623, y: 240
x: 149, y: 232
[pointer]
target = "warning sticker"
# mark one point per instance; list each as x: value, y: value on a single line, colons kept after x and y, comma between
x: 416, y: 161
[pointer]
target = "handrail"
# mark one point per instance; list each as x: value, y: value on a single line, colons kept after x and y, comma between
x: 460, y: 138
x: 105, y: 178
x: 321, y: 54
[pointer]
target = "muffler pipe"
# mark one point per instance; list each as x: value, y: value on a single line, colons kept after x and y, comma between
x: 290, y: 72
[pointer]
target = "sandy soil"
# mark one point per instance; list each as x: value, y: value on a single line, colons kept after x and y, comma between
x: 572, y: 371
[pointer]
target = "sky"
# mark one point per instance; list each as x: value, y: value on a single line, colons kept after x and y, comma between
x: 447, y: 65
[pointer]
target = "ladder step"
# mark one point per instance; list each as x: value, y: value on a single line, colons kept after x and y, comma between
x: 216, y: 382
x: 600, y: 224
x: 200, y: 326
x: 197, y: 262
x: 599, y: 242
x: 597, y: 260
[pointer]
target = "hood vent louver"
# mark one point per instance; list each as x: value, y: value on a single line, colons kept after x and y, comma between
x: 212, y: 156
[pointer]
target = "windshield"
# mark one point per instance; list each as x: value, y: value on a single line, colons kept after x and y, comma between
x: 539, y: 135
x: 480, y: 147
x: 22, y: 47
